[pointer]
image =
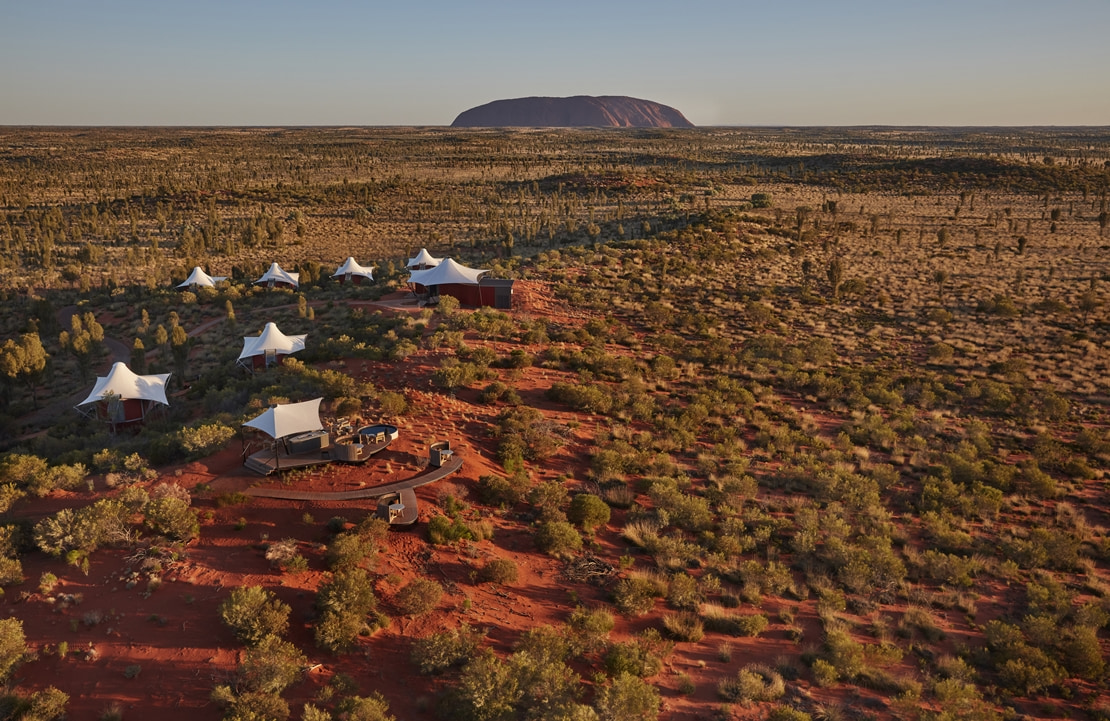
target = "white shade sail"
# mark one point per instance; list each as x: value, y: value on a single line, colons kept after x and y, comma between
x: 447, y: 272
x: 353, y: 268
x: 289, y: 419
x: 276, y: 275
x: 423, y: 258
x: 121, y: 382
x: 271, y: 340
x: 199, y: 278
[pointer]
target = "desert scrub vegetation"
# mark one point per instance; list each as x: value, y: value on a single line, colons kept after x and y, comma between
x: 838, y: 372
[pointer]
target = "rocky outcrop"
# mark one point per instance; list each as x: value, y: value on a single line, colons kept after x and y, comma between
x: 580, y: 111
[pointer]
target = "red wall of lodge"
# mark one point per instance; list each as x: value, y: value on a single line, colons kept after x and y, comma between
x: 132, y: 410
x: 467, y: 294
x: 259, y: 361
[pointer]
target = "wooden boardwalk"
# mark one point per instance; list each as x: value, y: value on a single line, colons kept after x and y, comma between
x: 431, y: 476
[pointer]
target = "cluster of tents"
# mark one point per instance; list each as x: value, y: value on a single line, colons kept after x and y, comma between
x: 123, y: 397
x: 276, y: 276
x: 429, y: 277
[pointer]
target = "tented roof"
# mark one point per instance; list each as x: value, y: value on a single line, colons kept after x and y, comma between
x: 350, y: 266
x: 289, y: 419
x: 200, y: 278
x: 123, y: 383
x: 271, y: 339
x: 447, y: 272
x: 424, y: 258
x: 277, y: 275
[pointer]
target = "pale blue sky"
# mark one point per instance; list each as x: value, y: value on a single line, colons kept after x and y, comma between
x: 339, y: 62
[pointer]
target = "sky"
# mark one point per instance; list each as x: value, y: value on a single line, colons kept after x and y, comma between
x: 422, y: 62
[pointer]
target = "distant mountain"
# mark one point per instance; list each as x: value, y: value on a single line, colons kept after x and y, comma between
x: 580, y: 111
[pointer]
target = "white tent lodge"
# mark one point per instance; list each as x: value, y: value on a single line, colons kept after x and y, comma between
x: 269, y: 348
x: 124, y: 398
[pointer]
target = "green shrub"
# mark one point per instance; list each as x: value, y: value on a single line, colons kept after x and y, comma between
x: 271, y: 665
x: 498, y: 570
x: 13, y: 646
x: 558, y: 538
x: 253, y: 613
x: 753, y: 682
x: 172, y: 517
x: 627, y: 698
x: 418, y: 597
x: 684, y: 627
x: 441, y: 651
x: 588, y: 511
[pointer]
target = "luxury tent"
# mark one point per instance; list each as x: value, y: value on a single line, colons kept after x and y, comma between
x: 466, y: 284
x: 423, y: 260
x: 199, y: 279
x: 275, y: 276
x: 353, y: 272
x: 269, y: 348
x: 124, y: 398
x: 289, y: 419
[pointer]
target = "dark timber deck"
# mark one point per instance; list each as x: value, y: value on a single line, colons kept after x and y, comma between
x: 430, y: 476
x: 273, y: 460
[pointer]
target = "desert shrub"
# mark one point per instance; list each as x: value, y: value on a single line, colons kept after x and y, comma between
x: 490, y: 688
x: 348, y: 550
x: 253, y: 613
x: 635, y: 595
x: 170, y: 516
x: 46, y: 705
x: 499, y: 392
x: 754, y: 682
x: 588, y: 511
x: 11, y: 571
x: 198, y: 441
x: 364, y: 708
x: 343, y: 603
x: 13, y: 646
x: 500, y: 491
x: 271, y: 665
x: 443, y: 530
x: 684, y: 627
x: 558, y: 538
x: 641, y: 657
x: 587, y: 398
x: 548, y: 498
x: 844, y: 653
x: 588, y: 629
x: 418, y: 597
x: 392, y: 404
x: 789, y: 713
x: 83, y: 529
x: 1081, y: 653
x: 37, y: 477
x: 250, y: 706
x: 721, y: 620
x: 627, y: 698
x: 683, y: 592
x: 441, y: 651
x: 498, y: 570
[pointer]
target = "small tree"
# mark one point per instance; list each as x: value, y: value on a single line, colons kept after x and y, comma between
x: 588, y: 511
x: 418, y: 597
x: 13, y: 646
x: 253, y: 613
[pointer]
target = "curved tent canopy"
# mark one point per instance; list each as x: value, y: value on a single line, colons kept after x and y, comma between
x: 423, y: 259
x: 289, y: 419
x: 201, y: 279
x: 276, y: 275
x: 271, y: 340
x: 122, y: 383
x: 446, y: 273
x: 352, y: 268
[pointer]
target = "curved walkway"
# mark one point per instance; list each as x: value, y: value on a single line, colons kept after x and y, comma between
x: 415, y: 482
